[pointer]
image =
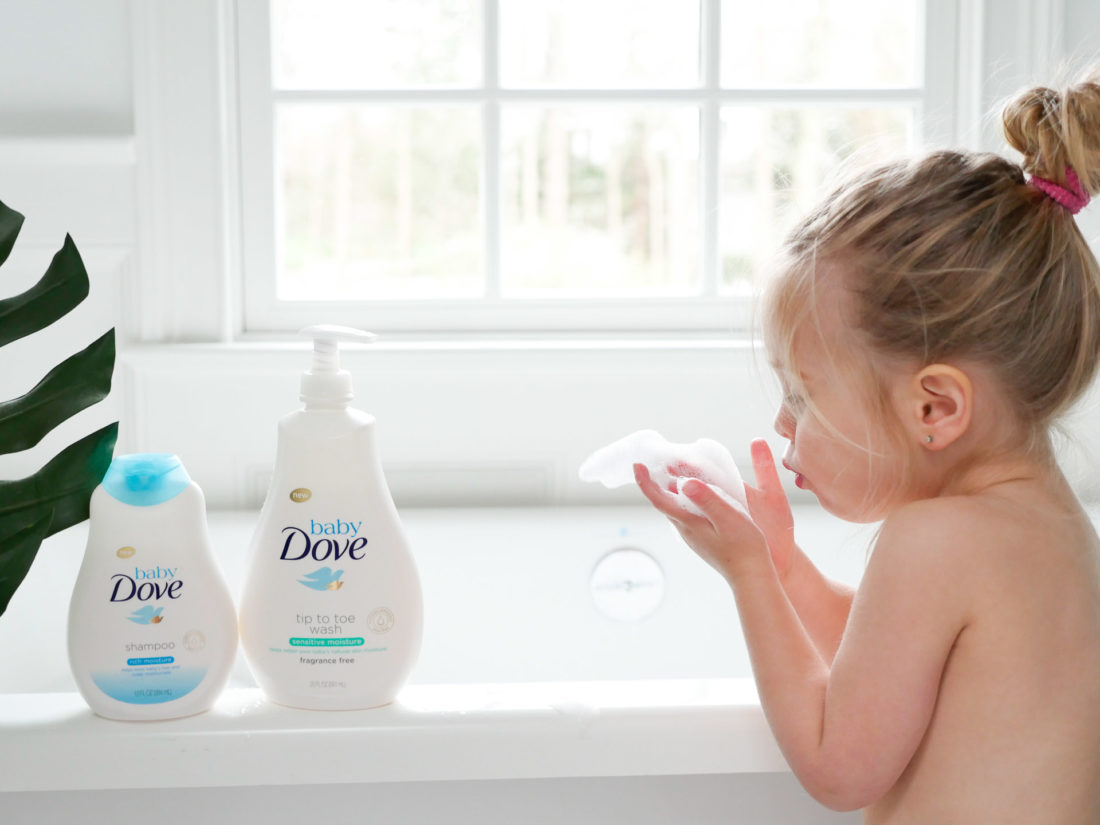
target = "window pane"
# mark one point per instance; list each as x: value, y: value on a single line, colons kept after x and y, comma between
x: 600, y: 201
x: 841, y: 43
x: 373, y: 205
x: 774, y: 165
x: 351, y: 44
x: 604, y: 44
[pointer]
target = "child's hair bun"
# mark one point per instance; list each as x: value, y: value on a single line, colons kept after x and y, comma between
x: 1058, y: 129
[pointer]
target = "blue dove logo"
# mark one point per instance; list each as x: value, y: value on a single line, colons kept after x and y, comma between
x: 147, y: 615
x: 323, y: 579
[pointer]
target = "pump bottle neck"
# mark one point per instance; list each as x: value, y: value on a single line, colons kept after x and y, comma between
x: 325, y: 386
x: 326, y: 390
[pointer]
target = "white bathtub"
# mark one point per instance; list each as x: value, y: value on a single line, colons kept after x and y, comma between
x: 543, y: 694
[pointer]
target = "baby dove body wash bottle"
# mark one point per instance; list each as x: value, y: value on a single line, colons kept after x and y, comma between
x: 152, y: 632
x: 331, y: 612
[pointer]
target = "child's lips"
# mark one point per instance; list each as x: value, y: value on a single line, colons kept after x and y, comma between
x: 799, y: 481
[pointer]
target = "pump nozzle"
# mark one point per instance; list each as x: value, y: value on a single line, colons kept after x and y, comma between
x: 325, y: 384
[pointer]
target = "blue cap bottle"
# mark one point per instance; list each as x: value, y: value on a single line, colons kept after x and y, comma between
x: 145, y: 479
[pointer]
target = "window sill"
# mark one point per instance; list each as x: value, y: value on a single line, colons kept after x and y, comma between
x: 462, y: 421
x: 450, y: 342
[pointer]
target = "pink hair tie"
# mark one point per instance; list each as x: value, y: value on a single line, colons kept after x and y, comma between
x: 1073, y: 196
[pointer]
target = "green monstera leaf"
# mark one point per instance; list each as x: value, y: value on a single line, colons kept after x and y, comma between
x: 57, y: 495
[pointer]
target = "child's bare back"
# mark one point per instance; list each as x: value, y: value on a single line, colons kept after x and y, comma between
x: 1014, y: 736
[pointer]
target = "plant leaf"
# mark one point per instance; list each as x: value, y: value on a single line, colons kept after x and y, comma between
x: 47, y: 502
x: 76, y: 383
x: 65, y: 483
x: 19, y: 550
x: 57, y: 495
x: 10, y: 224
x: 64, y: 285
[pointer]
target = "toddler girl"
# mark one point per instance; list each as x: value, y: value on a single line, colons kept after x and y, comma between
x: 930, y: 321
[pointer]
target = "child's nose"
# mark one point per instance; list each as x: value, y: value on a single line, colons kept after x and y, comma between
x: 784, y: 423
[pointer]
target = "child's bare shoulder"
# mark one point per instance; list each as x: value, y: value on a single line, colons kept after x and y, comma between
x: 988, y: 534
x: 944, y: 524
x: 938, y: 515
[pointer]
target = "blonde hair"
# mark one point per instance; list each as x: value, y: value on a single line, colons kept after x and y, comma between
x: 955, y: 256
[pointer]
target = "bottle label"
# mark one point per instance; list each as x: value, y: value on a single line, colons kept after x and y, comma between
x: 324, y: 541
x: 139, y: 585
x: 149, y: 680
x: 323, y: 616
x: 154, y: 662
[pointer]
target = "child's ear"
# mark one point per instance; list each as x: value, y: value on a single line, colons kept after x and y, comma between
x: 942, y: 401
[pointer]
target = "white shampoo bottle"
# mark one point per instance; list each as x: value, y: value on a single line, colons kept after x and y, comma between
x: 331, y: 614
x: 152, y: 631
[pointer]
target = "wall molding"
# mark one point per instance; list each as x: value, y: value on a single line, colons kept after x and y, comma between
x: 69, y: 150
x: 179, y: 119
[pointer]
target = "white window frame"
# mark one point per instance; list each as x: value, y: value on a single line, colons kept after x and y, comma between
x: 517, y: 402
x: 940, y: 115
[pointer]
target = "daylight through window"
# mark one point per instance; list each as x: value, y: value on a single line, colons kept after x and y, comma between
x: 560, y: 150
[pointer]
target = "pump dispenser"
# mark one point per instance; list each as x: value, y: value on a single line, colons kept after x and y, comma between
x: 325, y: 384
x: 331, y: 614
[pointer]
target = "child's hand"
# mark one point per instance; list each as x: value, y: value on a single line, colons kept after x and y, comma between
x: 769, y: 507
x: 724, y: 536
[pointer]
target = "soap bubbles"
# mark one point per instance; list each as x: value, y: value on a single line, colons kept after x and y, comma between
x: 670, y: 466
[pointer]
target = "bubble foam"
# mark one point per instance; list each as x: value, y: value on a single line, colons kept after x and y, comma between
x: 670, y: 466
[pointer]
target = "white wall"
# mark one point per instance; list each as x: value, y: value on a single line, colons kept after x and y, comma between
x: 72, y: 62
x: 1081, y: 36
x: 82, y: 149
x: 68, y: 163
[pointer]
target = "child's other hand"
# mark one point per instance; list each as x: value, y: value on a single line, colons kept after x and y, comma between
x: 769, y: 507
x: 724, y: 536
x: 768, y: 504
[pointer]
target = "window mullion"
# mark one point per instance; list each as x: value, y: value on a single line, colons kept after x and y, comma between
x: 490, y: 162
x: 709, y: 151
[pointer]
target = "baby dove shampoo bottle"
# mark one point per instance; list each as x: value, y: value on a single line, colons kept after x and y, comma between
x: 152, y: 632
x: 331, y: 613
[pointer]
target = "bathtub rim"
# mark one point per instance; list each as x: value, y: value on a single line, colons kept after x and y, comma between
x: 434, y: 732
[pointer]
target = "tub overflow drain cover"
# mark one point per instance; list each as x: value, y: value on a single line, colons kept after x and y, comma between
x: 627, y: 584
